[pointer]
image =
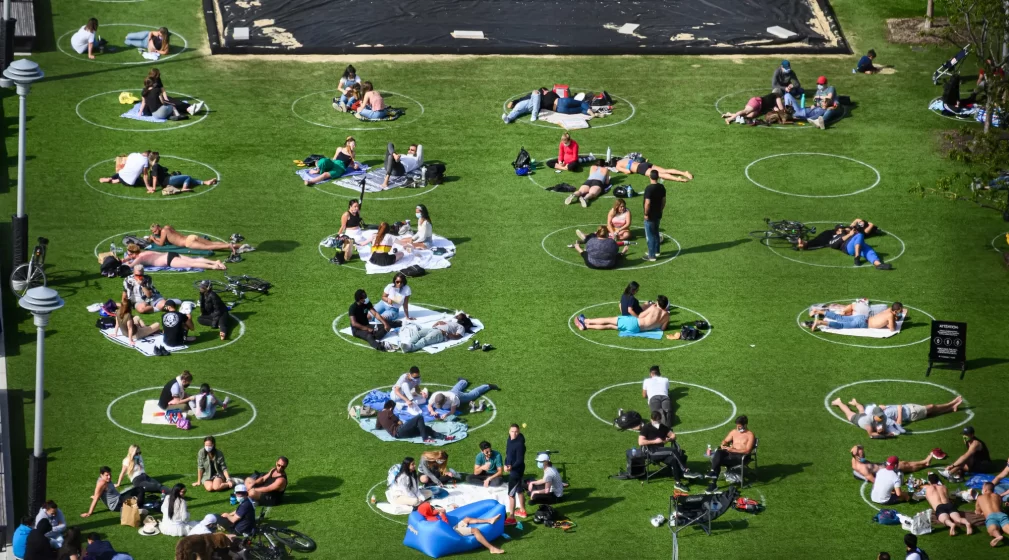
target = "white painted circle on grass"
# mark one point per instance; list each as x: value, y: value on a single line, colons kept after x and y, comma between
x: 777, y: 126
x: 830, y: 409
x: 765, y: 243
x: 752, y: 163
x: 952, y: 118
x: 367, y: 500
x: 996, y: 238
x: 97, y: 60
x: 493, y: 415
x: 360, y: 265
x: 156, y: 196
x: 190, y: 122
x: 799, y: 319
x: 329, y: 103
x: 367, y: 196
x: 108, y: 413
x: 578, y: 333
x: 661, y: 260
x: 141, y: 233
x: 634, y: 110
x: 672, y: 382
x: 861, y: 492
x: 356, y: 341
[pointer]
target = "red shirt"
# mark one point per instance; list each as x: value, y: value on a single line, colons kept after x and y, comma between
x: 568, y: 154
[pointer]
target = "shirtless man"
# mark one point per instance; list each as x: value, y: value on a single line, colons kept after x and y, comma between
x: 630, y: 167
x: 735, y: 446
x: 135, y: 256
x: 856, y: 316
x: 938, y: 497
x: 161, y: 234
x: 653, y: 318
x: 863, y: 469
x: 989, y: 505
x: 896, y: 416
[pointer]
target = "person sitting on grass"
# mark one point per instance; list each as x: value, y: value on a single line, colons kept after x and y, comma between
x: 108, y: 494
x: 37, y: 544
x: 433, y: 469
x: 784, y: 80
x: 86, y: 40
x: 351, y: 230
x: 242, y: 521
x: 162, y: 235
x: 57, y: 520
x: 400, y: 165
x: 19, y: 541
x: 597, y: 183
x: 175, y: 514
x: 487, y: 468
x: 205, y: 404
x: 653, y: 318
x: 755, y: 106
x: 268, y: 489
x: 345, y: 86
x: 849, y: 240
x: 618, y: 221
x: 130, y: 326
x: 911, y: 546
x: 938, y: 497
x: 550, y: 488
x: 989, y: 505
x: 567, y: 155
x: 601, y: 251
x: 888, y: 488
x: 211, y: 468
x: 157, y: 41
x: 456, y: 397
x: 464, y: 527
x: 384, y: 251
x: 361, y: 327
x: 71, y: 547
x: 395, y: 296
x: 857, y: 316
x: 630, y: 165
x: 130, y: 169
x: 176, y: 326
x: 213, y: 312
x: 424, y: 236
x: 629, y: 304
x: 413, y: 337
x: 863, y: 469
x: 412, y: 428
x: 406, y: 389
x: 335, y: 167
x: 133, y: 469
x: 865, y: 63
x: 173, y: 395
x: 733, y: 450
x: 654, y: 436
x: 976, y: 459
x: 134, y: 256
x: 372, y: 104
x: 152, y: 104
x: 406, y: 489
x: 825, y: 108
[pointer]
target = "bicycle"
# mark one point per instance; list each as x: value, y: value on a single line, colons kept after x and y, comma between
x: 270, y: 542
x: 30, y: 274
x: 238, y: 285
x: 783, y: 229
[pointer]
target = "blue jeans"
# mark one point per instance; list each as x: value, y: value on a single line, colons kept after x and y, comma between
x: 137, y: 39
x: 836, y: 321
x: 525, y: 107
x: 867, y: 252
x: 181, y: 181
x: 388, y: 312
x: 164, y: 112
x: 468, y: 396
x: 571, y: 106
x: 652, y: 238
x: 789, y: 100
x: 372, y: 114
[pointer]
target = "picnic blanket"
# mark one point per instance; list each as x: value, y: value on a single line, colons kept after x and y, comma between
x: 654, y: 335
x: 392, y: 114
x: 966, y: 114
x: 866, y: 333
x: 144, y: 345
x: 425, y: 258
x: 457, y: 429
x: 305, y: 173
x: 567, y: 122
x: 375, y: 177
x: 427, y: 317
x: 154, y: 415
x: 376, y: 400
x: 453, y: 496
x: 134, y: 114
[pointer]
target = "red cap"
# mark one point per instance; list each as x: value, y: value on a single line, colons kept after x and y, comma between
x: 891, y: 462
x: 822, y: 80
x: 427, y: 511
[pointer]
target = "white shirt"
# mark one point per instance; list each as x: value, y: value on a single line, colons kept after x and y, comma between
x: 138, y: 467
x: 553, y: 478
x: 886, y: 481
x: 397, y: 295
x: 409, y: 163
x: 80, y: 40
x: 451, y: 399
x: 452, y: 327
x: 407, y: 385
x: 656, y: 386
x: 135, y: 165
x: 424, y: 232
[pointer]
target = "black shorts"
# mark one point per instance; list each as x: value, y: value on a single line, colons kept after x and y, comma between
x: 892, y: 500
x: 981, y: 466
x: 595, y: 183
x: 383, y: 259
x: 945, y: 509
x: 515, y: 484
x: 643, y: 168
x: 271, y: 499
x: 172, y: 255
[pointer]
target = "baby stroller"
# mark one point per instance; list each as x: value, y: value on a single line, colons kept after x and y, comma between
x: 950, y: 67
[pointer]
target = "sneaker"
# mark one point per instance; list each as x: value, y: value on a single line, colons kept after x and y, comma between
x: 884, y: 266
x: 510, y: 522
x: 692, y: 475
x: 488, y: 347
x: 521, y: 513
x: 449, y: 438
x: 175, y: 118
x: 648, y: 258
x: 712, y: 475
x: 858, y: 261
x: 475, y: 345
x: 343, y: 106
x: 226, y: 401
x: 236, y: 238
x: 580, y: 235
x: 336, y: 104
x: 583, y: 202
x: 494, y: 387
x: 679, y: 486
x: 943, y: 472
x: 337, y: 260
x: 569, y: 199
x: 938, y: 454
x: 234, y: 258
x: 711, y: 489
x: 197, y: 107
x: 818, y: 121
x: 504, y: 117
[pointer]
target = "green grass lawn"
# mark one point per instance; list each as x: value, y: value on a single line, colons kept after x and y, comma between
x: 292, y: 376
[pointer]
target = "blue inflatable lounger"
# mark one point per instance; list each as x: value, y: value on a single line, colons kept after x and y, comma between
x: 437, y: 538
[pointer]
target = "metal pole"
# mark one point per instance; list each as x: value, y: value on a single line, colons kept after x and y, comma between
x: 22, y: 125
x: 41, y: 320
x: 7, y: 9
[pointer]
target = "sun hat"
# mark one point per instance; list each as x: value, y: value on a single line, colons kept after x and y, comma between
x: 891, y: 462
x: 150, y: 527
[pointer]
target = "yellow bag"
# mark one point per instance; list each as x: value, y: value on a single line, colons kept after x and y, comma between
x: 130, y: 514
x: 127, y: 98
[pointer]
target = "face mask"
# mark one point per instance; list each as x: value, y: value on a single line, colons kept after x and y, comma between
x: 418, y: 214
x: 656, y: 424
x: 741, y: 430
x: 366, y: 300
x: 239, y: 500
x: 208, y: 449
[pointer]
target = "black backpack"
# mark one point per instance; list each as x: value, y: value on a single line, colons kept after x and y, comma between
x: 602, y: 99
x: 105, y: 323
x: 523, y: 159
x: 689, y: 332
x: 545, y: 515
x: 114, y: 268
x: 627, y: 420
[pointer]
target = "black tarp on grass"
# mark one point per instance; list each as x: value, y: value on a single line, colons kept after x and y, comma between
x: 523, y: 26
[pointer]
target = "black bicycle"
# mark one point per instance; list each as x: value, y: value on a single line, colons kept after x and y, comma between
x: 270, y: 542
x: 238, y: 286
x: 784, y: 229
x: 30, y: 274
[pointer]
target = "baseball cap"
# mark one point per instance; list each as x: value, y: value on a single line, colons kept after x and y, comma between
x: 240, y: 489
x: 822, y: 81
x: 968, y: 431
x: 891, y: 462
x: 543, y: 457
x: 785, y: 64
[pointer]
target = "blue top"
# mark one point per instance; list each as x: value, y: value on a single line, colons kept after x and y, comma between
x: 20, y: 540
x: 864, y: 64
x: 495, y: 461
x: 247, y: 518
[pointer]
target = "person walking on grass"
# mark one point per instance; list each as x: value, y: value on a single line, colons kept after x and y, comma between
x: 515, y: 466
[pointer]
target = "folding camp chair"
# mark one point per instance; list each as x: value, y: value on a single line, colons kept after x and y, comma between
x: 748, y: 460
x: 948, y: 69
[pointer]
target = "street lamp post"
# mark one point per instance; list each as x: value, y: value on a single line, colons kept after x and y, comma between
x: 21, y: 73
x: 41, y: 302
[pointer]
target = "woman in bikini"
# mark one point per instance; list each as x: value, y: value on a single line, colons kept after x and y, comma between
x: 334, y: 168
x: 383, y: 250
x: 597, y: 183
x: 618, y: 221
x: 132, y: 327
x: 630, y: 166
x: 135, y: 256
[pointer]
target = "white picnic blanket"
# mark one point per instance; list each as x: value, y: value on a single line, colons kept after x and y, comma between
x: 154, y: 415
x: 567, y: 122
x: 427, y: 317
x: 458, y: 495
x: 144, y: 345
x: 423, y: 257
x: 866, y: 333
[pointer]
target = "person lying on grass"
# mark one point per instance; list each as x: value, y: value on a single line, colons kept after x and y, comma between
x: 157, y: 41
x: 888, y: 488
x: 130, y: 326
x: 167, y: 234
x: 896, y: 416
x: 464, y: 527
x: 618, y: 221
x: 134, y: 256
x: 172, y: 184
x: 413, y: 337
x: 989, y: 505
x: 335, y: 167
x: 389, y: 421
x: 130, y: 169
x: 399, y: 165
x: 653, y: 318
x: 213, y: 312
x: 938, y: 497
x: 594, y: 187
x: 601, y: 251
x: 864, y: 418
x: 211, y: 468
x: 849, y: 240
x: 268, y: 489
x: 525, y: 105
x: 866, y: 470
x: 636, y: 163
x: 755, y: 107
x: 456, y: 397
x: 976, y: 459
x: 857, y: 316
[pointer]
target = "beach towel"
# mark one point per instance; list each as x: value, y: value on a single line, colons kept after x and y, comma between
x: 865, y: 333
x: 145, y: 345
x: 391, y: 115
x: 176, y: 249
x: 978, y: 480
x: 425, y: 258
x: 154, y: 415
x: 305, y: 174
x: 457, y: 429
x: 375, y: 177
x: 454, y: 496
x: 427, y: 317
x: 134, y: 114
x: 376, y: 399
x: 567, y: 122
x: 965, y: 113
x: 654, y: 335
x: 171, y: 269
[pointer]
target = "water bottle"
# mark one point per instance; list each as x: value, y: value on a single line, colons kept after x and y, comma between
x: 802, y: 102
x: 708, y: 452
x: 112, y: 248
x: 608, y: 154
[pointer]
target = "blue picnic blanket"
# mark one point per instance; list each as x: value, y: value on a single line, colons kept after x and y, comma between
x: 978, y: 480
x: 306, y: 174
x: 134, y: 114
x: 654, y: 335
x: 376, y: 400
x: 457, y: 429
